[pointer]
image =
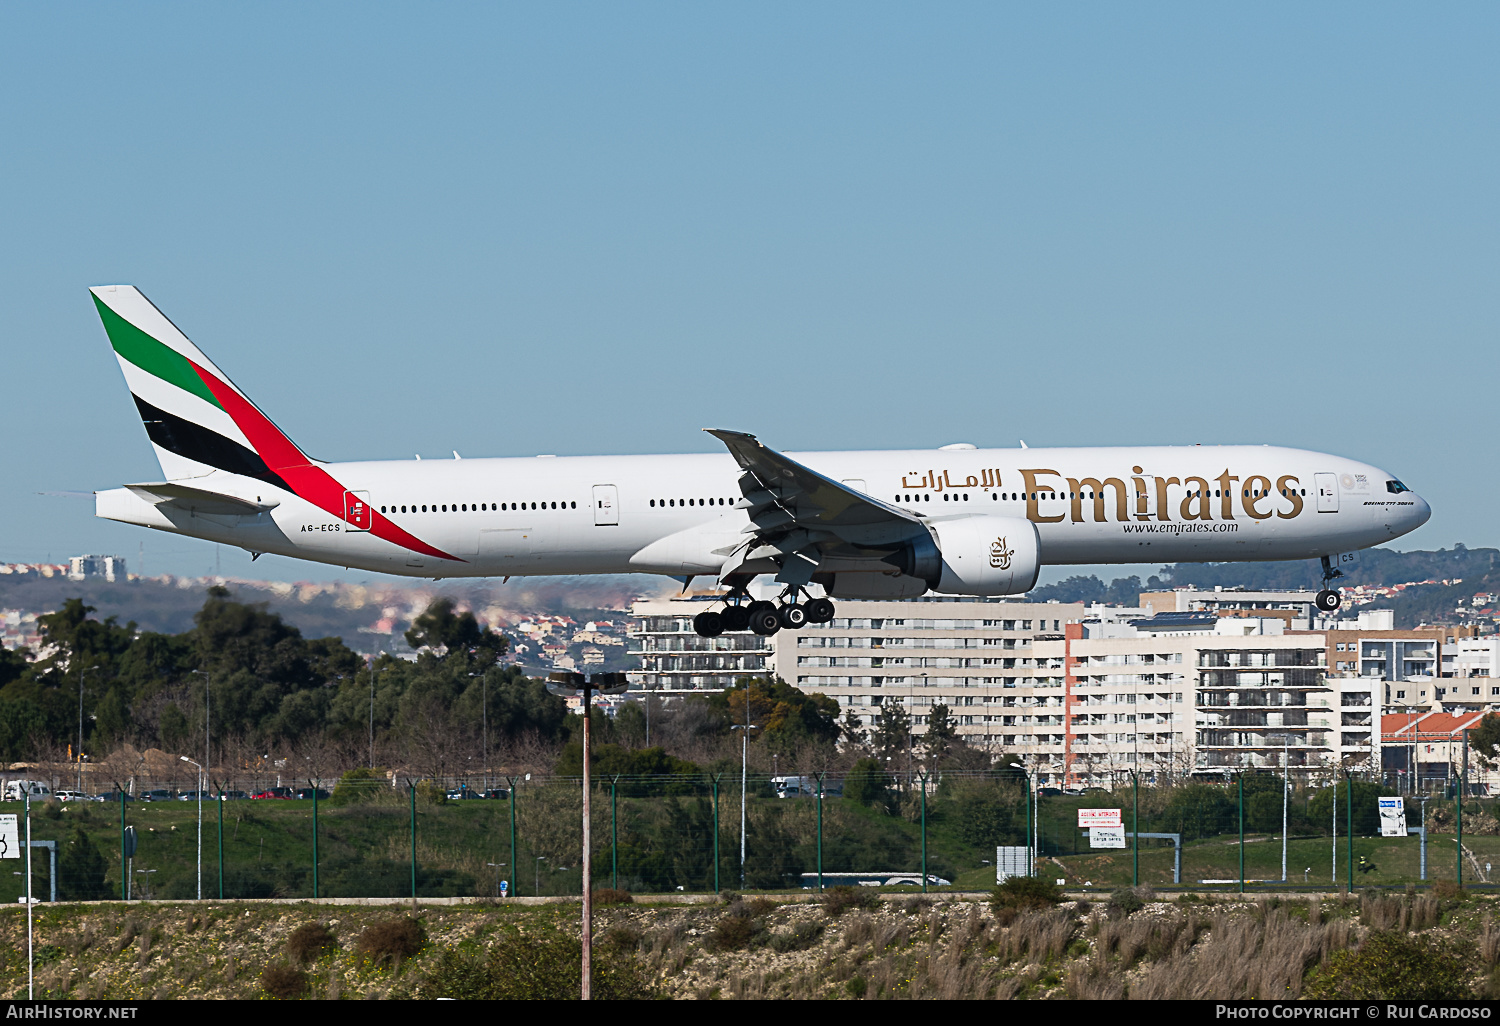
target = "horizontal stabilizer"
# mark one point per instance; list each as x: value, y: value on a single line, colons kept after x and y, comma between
x: 199, y: 500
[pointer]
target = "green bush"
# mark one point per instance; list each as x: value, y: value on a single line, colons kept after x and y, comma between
x: 866, y: 782
x: 1025, y: 892
x: 734, y: 933
x: 1125, y: 901
x: 801, y: 937
x: 534, y: 968
x: 1392, y: 966
x: 359, y: 785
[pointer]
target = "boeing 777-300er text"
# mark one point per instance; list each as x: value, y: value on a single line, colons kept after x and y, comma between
x: 958, y: 520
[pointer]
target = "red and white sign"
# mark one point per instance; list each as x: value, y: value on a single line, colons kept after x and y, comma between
x: 1099, y: 818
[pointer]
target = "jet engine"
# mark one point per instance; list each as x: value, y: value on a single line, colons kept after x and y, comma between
x: 974, y: 555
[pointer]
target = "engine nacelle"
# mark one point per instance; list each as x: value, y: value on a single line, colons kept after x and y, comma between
x: 986, y: 555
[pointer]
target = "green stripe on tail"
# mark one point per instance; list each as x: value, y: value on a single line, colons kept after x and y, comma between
x: 150, y: 355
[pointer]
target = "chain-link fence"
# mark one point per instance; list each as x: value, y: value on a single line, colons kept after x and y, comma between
x: 483, y: 837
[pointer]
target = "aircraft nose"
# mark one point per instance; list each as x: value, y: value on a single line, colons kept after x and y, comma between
x: 1419, y: 513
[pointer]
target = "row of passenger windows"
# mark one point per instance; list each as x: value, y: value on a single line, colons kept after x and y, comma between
x: 476, y: 507
x: 1021, y: 496
x: 691, y: 502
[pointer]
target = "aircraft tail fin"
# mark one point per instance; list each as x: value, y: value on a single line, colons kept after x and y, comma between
x: 197, y: 420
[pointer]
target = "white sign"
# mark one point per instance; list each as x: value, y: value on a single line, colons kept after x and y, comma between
x: 1392, y: 817
x: 1099, y: 818
x: 1012, y: 860
x: 1107, y: 837
x: 10, y: 838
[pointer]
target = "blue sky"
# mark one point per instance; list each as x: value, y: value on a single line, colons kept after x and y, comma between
x: 593, y: 228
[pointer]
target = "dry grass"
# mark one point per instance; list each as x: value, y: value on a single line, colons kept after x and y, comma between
x: 1244, y: 958
x: 1399, y: 912
x: 283, y: 981
x: 392, y: 942
x: 310, y: 942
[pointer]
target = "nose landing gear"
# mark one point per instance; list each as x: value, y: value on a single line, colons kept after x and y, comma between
x: 1329, y: 599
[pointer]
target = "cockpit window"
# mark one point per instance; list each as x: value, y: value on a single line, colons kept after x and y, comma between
x: 1396, y: 487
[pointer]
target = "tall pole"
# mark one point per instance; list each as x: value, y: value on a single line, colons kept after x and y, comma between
x: 515, y: 877
x: 372, y: 715
x: 221, y: 842
x: 1240, y: 779
x: 78, y: 754
x: 413, y: 789
x: 1462, y: 781
x: 820, y: 831
x: 30, y: 951
x: 922, y: 778
x: 614, y: 834
x: 716, y: 833
x: 1026, y: 801
x: 124, y: 871
x: 1286, y: 795
x: 744, y: 764
x: 588, y: 865
x: 1135, y: 825
x: 1333, y: 872
x: 315, y: 838
x: 1349, y: 820
x: 484, y: 715
x: 200, y: 823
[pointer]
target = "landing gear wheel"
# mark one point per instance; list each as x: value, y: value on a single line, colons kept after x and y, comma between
x: 1328, y: 600
x: 819, y: 611
x: 708, y: 624
x: 760, y: 604
x: 793, y: 617
x: 765, y: 621
x: 736, y: 618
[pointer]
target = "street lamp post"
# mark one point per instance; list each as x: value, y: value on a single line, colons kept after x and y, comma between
x: 746, y: 727
x: 568, y: 684
x: 1286, y: 787
x: 372, y: 715
x: 78, y: 755
x: 200, y: 824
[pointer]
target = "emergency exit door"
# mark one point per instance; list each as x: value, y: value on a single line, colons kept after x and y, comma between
x: 606, y: 506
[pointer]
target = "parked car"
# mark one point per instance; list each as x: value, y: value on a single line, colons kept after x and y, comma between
x: 306, y: 793
x: 460, y: 793
x: 497, y: 792
x: 276, y: 792
x: 192, y: 796
x: 15, y: 790
x: 71, y: 796
x: 157, y: 794
x: 234, y: 795
x: 114, y: 796
x: 1048, y: 792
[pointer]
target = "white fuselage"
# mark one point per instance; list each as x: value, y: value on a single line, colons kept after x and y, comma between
x: 675, y: 514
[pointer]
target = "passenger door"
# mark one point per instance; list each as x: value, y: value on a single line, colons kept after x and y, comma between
x: 606, y: 505
x: 1328, y: 492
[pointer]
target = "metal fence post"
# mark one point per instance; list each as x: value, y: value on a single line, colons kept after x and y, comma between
x: 315, y: 840
x: 923, y: 778
x: 1349, y: 817
x: 413, y: 788
x: 614, y: 834
x: 515, y: 871
x: 1240, y: 779
x: 124, y: 871
x: 1135, y: 826
x: 221, y: 843
x: 716, y: 833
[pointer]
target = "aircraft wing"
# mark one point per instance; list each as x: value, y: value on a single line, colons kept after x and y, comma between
x: 798, y: 517
x: 198, y: 500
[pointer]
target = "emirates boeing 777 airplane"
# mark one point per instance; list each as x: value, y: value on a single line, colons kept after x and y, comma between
x: 959, y: 520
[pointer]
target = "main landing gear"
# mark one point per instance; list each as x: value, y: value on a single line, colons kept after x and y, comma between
x: 1329, y: 599
x: 761, y: 617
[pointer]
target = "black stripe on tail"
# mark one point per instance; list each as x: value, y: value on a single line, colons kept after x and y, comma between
x: 201, y: 445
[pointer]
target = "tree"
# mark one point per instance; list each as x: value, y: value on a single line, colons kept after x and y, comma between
x: 940, y: 736
x: 81, y: 870
x: 852, y: 734
x: 892, y: 735
x: 866, y: 782
x: 445, y: 633
x: 1484, y: 740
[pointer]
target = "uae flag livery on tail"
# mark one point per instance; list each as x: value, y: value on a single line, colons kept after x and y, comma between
x: 200, y: 423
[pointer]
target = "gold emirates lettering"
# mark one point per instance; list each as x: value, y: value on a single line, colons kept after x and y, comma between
x: 1133, y: 501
